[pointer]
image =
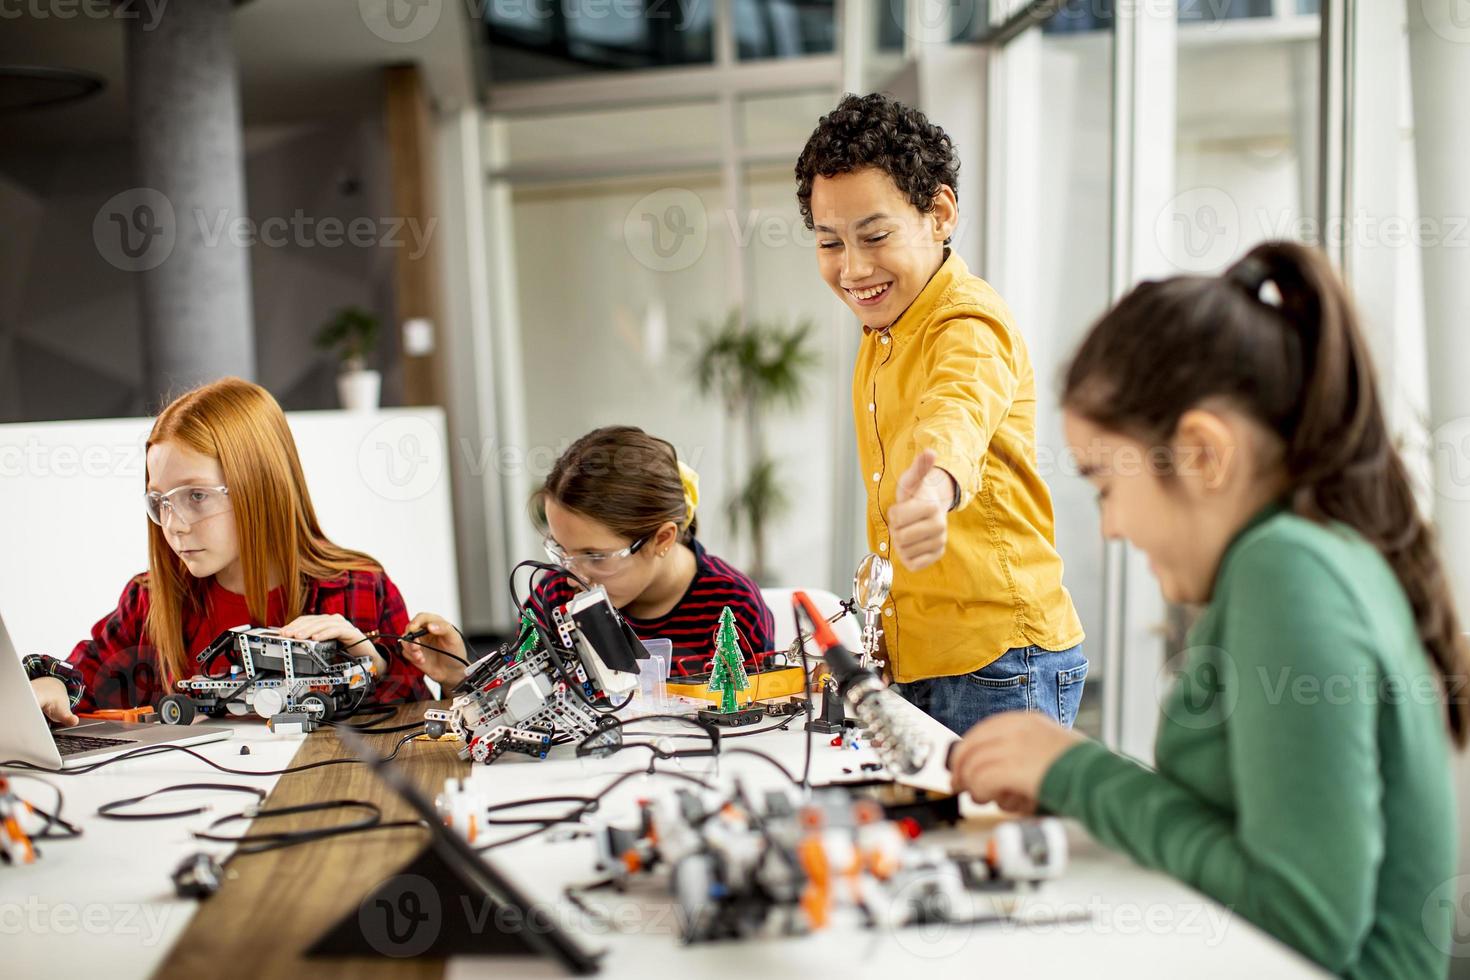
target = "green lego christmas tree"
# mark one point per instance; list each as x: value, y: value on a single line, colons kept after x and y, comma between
x: 727, y: 676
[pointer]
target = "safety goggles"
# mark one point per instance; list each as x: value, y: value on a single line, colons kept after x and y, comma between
x: 189, y: 504
x: 596, y: 562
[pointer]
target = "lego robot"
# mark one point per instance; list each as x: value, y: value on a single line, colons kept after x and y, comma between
x: 735, y: 869
x: 293, y: 684
x: 543, y: 688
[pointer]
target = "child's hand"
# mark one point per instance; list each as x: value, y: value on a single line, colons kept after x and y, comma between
x: 919, y: 521
x: 350, y: 639
x: 1005, y: 757
x: 55, y: 703
x: 446, y: 670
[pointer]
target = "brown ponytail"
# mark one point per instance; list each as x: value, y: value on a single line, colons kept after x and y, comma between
x: 620, y: 477
x: 1277, y: 335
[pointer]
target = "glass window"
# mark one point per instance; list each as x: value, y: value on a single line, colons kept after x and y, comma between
x: 612, y: 278
x: 1088, y: 15
x: 786, y: 289
x: 784, y: 28
x: 775, y: 122
x: 538, y: 39
x: 888, y: 17
x: 1053, y: 224
x: 1246, y: 153
x: 681, y: 127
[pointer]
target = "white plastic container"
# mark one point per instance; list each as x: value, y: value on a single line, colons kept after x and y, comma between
x: 653, y: 675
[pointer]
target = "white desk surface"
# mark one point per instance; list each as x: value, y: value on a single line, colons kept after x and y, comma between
x: 104, y: 902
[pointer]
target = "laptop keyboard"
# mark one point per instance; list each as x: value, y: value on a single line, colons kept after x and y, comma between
x: 72, y: 744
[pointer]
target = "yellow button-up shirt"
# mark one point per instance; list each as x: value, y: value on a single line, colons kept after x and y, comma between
x: 952, y: 374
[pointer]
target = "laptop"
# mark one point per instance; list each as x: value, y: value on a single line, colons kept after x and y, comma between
x: 26, y: 736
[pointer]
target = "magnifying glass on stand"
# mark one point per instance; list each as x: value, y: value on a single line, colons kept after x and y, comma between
x: 871, y: 586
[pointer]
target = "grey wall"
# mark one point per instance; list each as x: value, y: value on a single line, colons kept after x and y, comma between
x: 70, y: 333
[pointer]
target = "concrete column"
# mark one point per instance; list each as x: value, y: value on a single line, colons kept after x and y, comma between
x: 184, y: 97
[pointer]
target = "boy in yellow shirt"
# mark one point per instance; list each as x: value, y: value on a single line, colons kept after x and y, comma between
x: 944, y: 398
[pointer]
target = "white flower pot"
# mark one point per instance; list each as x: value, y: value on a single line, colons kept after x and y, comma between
x: 359, y: 390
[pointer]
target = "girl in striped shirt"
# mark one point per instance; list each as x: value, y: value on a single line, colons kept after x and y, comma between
x: 618, y: 510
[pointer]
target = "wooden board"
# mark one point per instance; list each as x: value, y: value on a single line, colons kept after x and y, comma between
x: 275, y: 905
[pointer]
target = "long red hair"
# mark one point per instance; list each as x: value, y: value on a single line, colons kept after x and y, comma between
x: 242, y: 426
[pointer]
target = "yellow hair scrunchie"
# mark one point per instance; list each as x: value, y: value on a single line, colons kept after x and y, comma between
x: 690, y: 479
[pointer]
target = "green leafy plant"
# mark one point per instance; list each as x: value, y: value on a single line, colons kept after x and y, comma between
x: 353, y: 334
x: 754, y: 368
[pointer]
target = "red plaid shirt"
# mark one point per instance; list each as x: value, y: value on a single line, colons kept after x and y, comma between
x: 120, y: 667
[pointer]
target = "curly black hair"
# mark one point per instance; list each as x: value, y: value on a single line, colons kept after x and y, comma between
x: 877, y: 131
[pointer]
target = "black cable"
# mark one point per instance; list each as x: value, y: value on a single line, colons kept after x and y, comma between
x: 369, y: 729
x: 539, y: 616
x: 69, y: 830
x: 373, y: 818
x: 593, y: 802
x: 248, y: 849
x: 151, y: 750
x: 806, y: 687
x: 409, y: 638
x: 109, y: 810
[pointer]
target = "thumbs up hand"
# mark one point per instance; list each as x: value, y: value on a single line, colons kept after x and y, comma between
x: 918, y: 521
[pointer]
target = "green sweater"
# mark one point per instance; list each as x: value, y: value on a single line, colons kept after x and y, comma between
x: 1303, y: 759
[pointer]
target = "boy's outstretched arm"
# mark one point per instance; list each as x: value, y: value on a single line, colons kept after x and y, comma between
x: 969, y: 385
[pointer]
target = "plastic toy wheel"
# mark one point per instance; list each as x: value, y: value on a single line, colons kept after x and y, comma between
x: 355, y: 702
x: 176, y: 709
x: 323, y: 706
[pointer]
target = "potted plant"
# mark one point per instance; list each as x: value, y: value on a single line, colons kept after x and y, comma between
x: 752, y: 368
x: 353, y: 335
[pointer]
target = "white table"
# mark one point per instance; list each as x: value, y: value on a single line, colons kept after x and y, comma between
x: 104, y: 903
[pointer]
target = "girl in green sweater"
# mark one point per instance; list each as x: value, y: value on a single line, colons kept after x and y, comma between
x: 1233, y: 430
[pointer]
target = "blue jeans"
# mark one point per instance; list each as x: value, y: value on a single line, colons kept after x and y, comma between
x: 1023, y: 679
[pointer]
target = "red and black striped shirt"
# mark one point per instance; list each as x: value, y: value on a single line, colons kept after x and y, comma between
x: 691, y: 623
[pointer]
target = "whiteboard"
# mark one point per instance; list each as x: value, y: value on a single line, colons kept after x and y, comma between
x: 73, y: 529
